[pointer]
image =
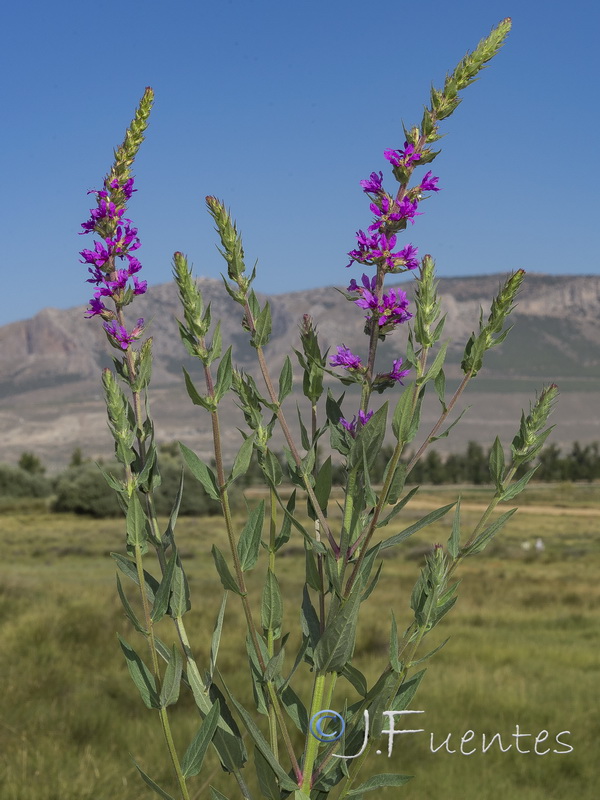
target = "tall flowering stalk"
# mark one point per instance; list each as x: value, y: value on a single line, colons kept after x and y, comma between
x: 340, y: 559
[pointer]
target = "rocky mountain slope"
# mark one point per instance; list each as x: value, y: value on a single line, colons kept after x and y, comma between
x: 50, y: 391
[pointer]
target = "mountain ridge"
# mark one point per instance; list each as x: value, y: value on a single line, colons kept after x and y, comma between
x: 50, y: 393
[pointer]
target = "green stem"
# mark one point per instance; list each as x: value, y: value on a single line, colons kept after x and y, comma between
x: 312, y: 743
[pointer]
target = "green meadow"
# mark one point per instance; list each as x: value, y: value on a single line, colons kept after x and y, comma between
x: 524, y: 649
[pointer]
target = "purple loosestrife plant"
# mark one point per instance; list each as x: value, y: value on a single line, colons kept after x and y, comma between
x: 291, y: 759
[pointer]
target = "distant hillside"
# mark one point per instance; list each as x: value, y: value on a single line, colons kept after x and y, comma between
x: 50, y: 391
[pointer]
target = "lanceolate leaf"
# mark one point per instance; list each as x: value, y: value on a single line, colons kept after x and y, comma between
x: 433, y: 516
x: 497, y: 463
x: 242, y: 460
x: 224, y: 376
x: 136, y: 524
x: 141, y: 675
x: 248, y: 545
x: 201, y: 472
x: 148, y: 780
x: 129, y: 612
x: 215, y: 794
x: 379, y: 782
x: 285, y: 380
x: 487, y: 535
x: 454, y: 540
x: 225, y: 575
x: 336, y: 645
x: 180, y: 592
x: 127, y: 567
x: 169, y: 693
x: 216, y: 638
x: 284, y: 779
x: 516, y: 488
x: 271, y: 612
x: 161, y: 601
x: 191, y: 763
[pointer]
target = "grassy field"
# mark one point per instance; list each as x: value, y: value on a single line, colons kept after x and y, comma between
x: 524, y: 650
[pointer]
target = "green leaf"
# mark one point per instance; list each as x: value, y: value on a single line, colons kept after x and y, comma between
x: 394, y: 660
x: 269, y: 463
x: 127, y: 567
x: 379, y: 782
x: 284, y: 779
x: 454, y: 540
x: 136, y: 524
x: 262, y: 325
x: 336, y: 645
x: 141, y: 675
x: 516, y: 488
x: 399, y: 505
x: 180, y: 592
x: 216, y: 638
x: 191, y: 763
x: 438, y: 362
x: 369, y: 439
x: 148, y: 780
x: 422, y: 523
x: 248, y: 545
x: 405, y: 421
x: 201, y: 472
x: 285, y: 380
x: 267, y: 780
x: 497, y: 463
x: 271, y: 612
x: 215, y: 794
x: 242, y: 459
x: 322, y: 489
x: 225, y: 575
x: 196, y: 398
x: 274, y: 666
x: 397, y: 483
x: 161, y: 600
x: 129, y: 612
x: 356, y: 678
x: 224, y: 376
x: 485, y: 536
x: 169, y: 692
x: 286, y: 526
x: 445, y: 433
x: 405, y: 694
x: 440, y: 388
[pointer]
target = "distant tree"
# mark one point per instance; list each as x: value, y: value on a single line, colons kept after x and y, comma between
x: 476, y: 464
x: 30, y: 463
x: 16, y: 482
x: 76, y: 458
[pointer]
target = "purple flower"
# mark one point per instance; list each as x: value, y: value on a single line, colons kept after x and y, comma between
x: 408, y: 209
x: 385, y: 212
x: 390, y: 310
x: 407, y: 254
x: 402, y: 158
x: 384, y: 248
x: 372, y: 184
x: 367, y: 283
x: 352, y: 426
x: 139, y: 287
x: 98, y: 256
x: 397, y: 374
x: 119, y: 333
x: 363, y: 253
x: 96, y: 307
x: 345, y: 358
x: 429, y: 184
x: 126, y: 188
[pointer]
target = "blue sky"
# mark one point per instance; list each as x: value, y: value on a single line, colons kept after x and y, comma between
x: 280, y: 109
